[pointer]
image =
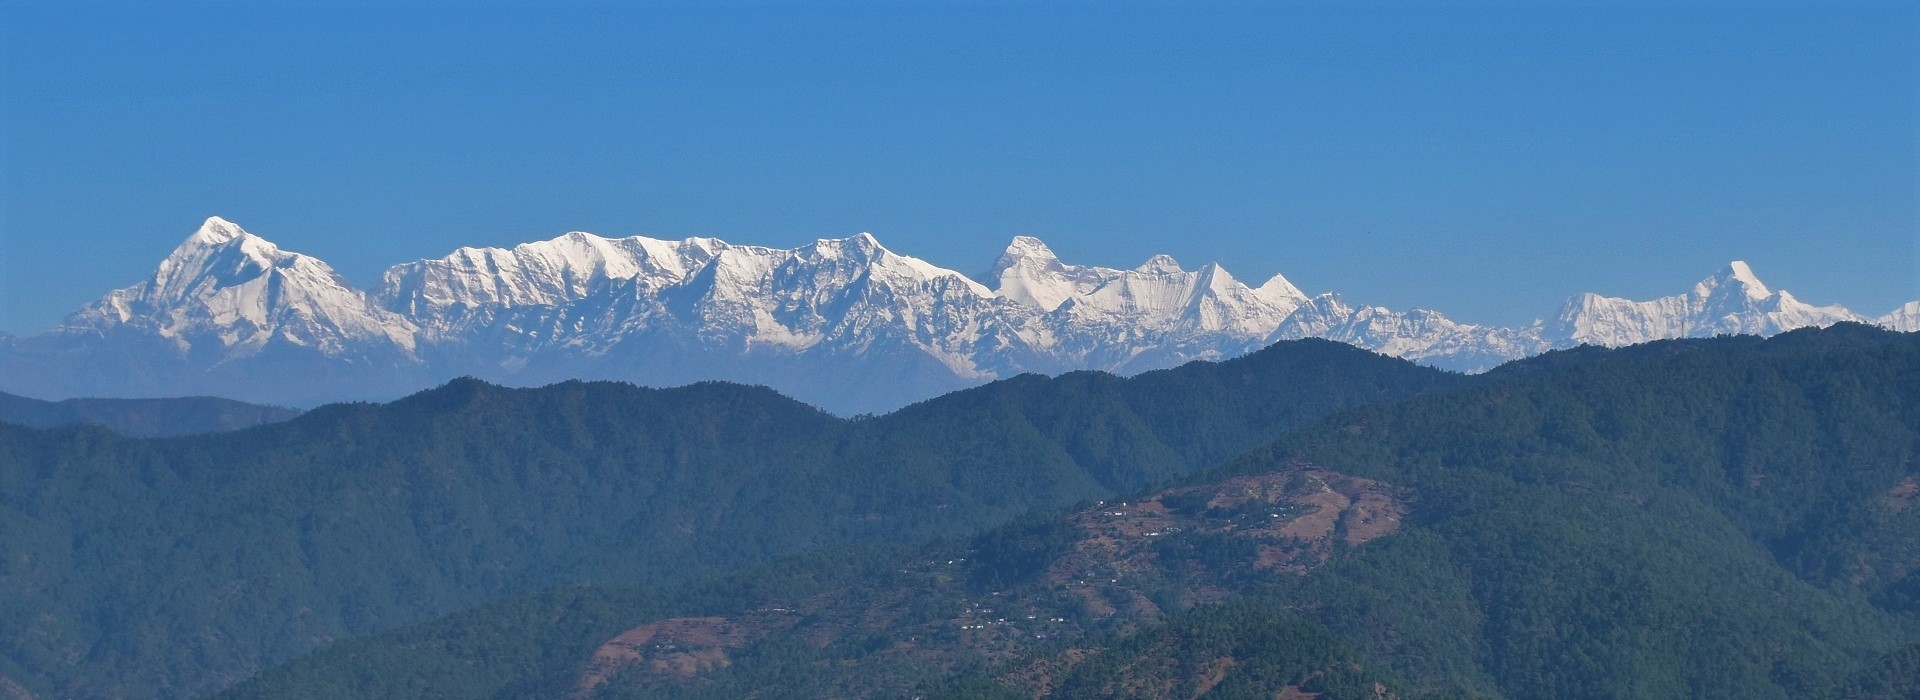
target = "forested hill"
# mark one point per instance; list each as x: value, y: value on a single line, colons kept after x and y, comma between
x: 176, y: 567
x: 1728, y: 517
x: 142, y: 417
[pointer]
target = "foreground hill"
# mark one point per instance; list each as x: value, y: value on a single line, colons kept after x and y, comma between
x: 176, y: 567
x: 1731, y: 517
x: 142, y: 417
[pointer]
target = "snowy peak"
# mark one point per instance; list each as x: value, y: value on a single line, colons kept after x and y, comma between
x: 1740, y: 303
x: 1024, y: 257
x: 1738, y: 271
x: 214, y: 232
x: 1738, y: 277
x: 568, y: 268
x: 1157, y: 294
x: 1029, y: 273
x: 221, y: 255
x: 1160, y: 265
x: 1215, y: 278
x: 228, y: 290
x: 844, y: 322
x: 863, y: 255
x: 1024, y: 248
x: 1905, y: 319
x: 218, y: 254
x: 1419, y: 334
x: 584, y: 291
x: 1278, y: 290
x: 1732, y: 301
x: 219, y: 234
x: 866, y: 243
x: 861, y: 247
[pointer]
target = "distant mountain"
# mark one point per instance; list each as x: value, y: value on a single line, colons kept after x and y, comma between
x: 1734, y: 302
x: 142, y: 417
x: 844, y: 324
x: 226, y: 314
x: 1905, y: 319
x: 171, y: 568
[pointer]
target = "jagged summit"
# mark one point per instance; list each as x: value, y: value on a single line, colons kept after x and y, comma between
x: 215, y: 231
x: 1028, y: 247
x: 1278, y: 287
x: 1029, y: 273
x: 1732, y: 301
x: 1736, y: 275
x: 217, y: 257
x: 1023, y: 251
x: 861, y: 244
x: 470, y: 282
x: 222, y: 244
x: 1157, y: 294
x: 1160, y: 265
x: 229, y: 294
x: 1905, y: 319
x: 842, y: 322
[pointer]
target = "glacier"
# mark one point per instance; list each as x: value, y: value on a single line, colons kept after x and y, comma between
x: 845, y: 324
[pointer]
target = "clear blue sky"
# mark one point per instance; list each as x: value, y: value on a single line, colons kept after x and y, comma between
x: 1484, y: 160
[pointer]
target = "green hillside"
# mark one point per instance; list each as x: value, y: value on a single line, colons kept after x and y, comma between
x: 1730, y: 517
x: 177, y: 567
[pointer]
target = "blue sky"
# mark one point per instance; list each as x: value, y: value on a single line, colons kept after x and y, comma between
x: 1485, y: 160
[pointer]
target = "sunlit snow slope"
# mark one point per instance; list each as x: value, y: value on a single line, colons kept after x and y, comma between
x: 844, y: 323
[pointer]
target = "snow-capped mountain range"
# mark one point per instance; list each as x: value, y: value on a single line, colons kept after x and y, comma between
x: 843, y: 323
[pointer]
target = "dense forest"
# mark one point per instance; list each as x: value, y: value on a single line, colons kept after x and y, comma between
x: 176, y: 567
x: 1730, y: 517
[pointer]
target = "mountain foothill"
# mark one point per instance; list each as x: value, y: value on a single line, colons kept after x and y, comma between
x: 1731, y: 516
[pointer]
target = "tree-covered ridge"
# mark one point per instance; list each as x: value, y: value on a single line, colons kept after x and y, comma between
x: 1015, y: 610
x: 1807, y: 442
x: 181, y: 566
x: 1718, y: 517
x: 1895, y: 676
x: 1015, y: 596
x: 1715, y: 518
